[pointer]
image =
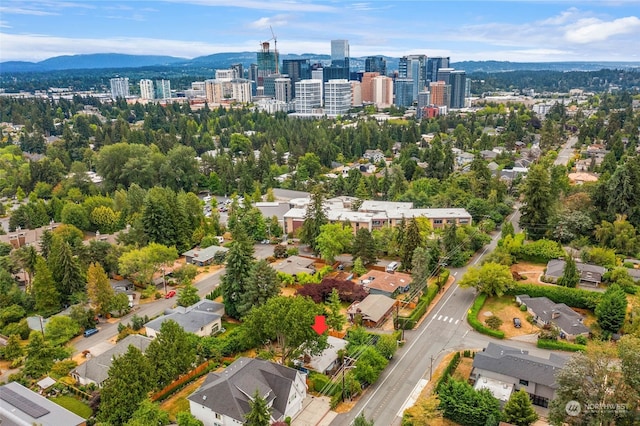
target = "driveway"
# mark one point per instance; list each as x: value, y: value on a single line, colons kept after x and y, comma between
x: 316, y: 411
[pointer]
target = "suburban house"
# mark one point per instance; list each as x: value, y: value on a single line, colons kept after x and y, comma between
x: 294, y: 265
x: 373, y: 155
x: 388, y: 284
x: 328, y: 361
x: 503, y: 370
x: 634, y: 274
x: 374, y: 309
x: 374, y: 215
x: 590, y: 275
x: 96, y: 369
x: 201, y: 319
x: 20, y: 406
x: 223, y: 399
x: 203, y: 256
x: 27, y: 237
x: 544, y: 312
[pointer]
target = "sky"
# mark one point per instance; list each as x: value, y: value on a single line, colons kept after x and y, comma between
x: 518, y: 31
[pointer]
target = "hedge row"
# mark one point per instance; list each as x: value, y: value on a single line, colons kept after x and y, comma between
x: 407, y: 323
x: 574, y: 297
x: 448, y: 371
x: 560, y: 345
x: 472, y: 318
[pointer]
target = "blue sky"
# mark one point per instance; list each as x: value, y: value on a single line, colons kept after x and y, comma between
x: 531, y: 31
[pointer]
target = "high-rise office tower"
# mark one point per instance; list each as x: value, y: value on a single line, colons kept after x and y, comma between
x: 239, y: 70
x: 375, y: 64
x: 308, y: 96
x: 424, y: 100
x: 296, y: 69
x: 337, y: 97
x: 440, y: 93
x: 458, y: 82
x: 444, y: 74
x: 356, y: 93
x: 269, y: 85
x: 119, y: 87
x: 146, y: 89
x: 252, y: 74
x: 435, y: 63
x: 340, y: 53
x: 282, y: 88
x: 163, y: 89
x: 339, y: 68
x: 415, y: 68
x: 403, y: 92
x: 382, y: 91
x: 367, y: 86
x: 267, y: 62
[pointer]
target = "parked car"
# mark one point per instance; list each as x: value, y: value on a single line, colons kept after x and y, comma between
x: 90, y: 332
x: 517, y: 323
x: 170, y: 294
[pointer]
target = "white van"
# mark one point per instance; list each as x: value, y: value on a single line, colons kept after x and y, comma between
x: 392, y: 267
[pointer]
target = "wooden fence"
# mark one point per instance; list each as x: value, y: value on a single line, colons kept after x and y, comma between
x: 168, y: 390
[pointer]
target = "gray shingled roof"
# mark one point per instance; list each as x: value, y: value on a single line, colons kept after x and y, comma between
x: 555, y: 268
x: 567, y: 320
x: 97, y: 368
x: 373, y: 307
x: 228, y: 392
x: 517, y: 363
x: 192, y: 318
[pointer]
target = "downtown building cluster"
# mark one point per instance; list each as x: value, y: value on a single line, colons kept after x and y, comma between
x: 326, y: 88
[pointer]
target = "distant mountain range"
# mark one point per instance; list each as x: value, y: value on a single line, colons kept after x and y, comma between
x: 225, y: 60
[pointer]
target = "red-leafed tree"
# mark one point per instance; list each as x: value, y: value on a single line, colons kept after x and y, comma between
x: 348, y: 290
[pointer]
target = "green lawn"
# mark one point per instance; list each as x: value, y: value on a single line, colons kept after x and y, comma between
x: 74, y: 405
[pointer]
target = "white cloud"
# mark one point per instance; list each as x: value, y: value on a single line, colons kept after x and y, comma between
x: 593, y: 30
x: 4, y: 24
x: 274, y: 21
x: 25, y: 11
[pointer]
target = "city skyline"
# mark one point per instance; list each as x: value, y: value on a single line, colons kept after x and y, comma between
x: 519, y: 31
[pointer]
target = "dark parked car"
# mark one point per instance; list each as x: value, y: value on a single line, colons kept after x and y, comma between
x: 90, y: 332
x: 517, y: 323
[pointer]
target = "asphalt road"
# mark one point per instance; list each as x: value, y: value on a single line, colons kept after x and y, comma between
x: 443, y: 330
x: 566, y: 152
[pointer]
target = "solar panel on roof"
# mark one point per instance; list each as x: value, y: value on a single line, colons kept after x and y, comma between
x: 23, y: 404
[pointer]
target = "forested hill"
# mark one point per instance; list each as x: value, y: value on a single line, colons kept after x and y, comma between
x: 224, y: 60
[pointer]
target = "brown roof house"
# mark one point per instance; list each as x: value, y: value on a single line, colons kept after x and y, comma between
x: 391, y: 285
x: 544, y: 312
x: 374, y: 309
x: 224, y: 398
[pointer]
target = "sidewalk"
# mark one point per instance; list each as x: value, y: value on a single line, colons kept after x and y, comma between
x: 316, y: 411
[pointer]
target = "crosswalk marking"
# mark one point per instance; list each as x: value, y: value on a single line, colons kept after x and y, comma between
x: 457, y: 321
x: 450, y: 320
x: 445, y: 319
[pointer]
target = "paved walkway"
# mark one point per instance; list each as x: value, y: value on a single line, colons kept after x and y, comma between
x: 315, y: 412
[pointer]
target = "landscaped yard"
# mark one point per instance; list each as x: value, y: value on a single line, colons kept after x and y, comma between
x: 506, y: 309
x: 74, y: 405
x: 531, y: 271
x: 178, y: 401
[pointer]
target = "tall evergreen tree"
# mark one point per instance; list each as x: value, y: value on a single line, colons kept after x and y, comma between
x: 538, y: 204
x: 335, y: 319
x: 128, y: 384
x: 262, y: 284
x: 570, y: 277
x: 44, y: 289
x: 612, y: 309
x: 364, y: 246
x: 239, y: 263
x: 519, y: 410
x: 412, y: 240
x: 66, y: 270
x: 170, y: 354
x: 314, y: 218
x: 259, y: 414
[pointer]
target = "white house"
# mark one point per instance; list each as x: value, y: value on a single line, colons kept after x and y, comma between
x: 203, y: 319
x: 223, y: 399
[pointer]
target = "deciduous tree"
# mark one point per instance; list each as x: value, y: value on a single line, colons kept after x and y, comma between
x: 334, y: 239
x: 491, y: 279
x: 188, y: 295
x: 99, y: 288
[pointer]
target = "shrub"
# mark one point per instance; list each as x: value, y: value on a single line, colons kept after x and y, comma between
x: 472, y: 318
x: 407, y: 323
x: 560, y: 345
x: 280, y: 251
x: 293, y: 251
x: 541, y: 251
x: 494, y: 322
x: 523, y: 308
x: 581, y: 340
x: 574, y: 297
